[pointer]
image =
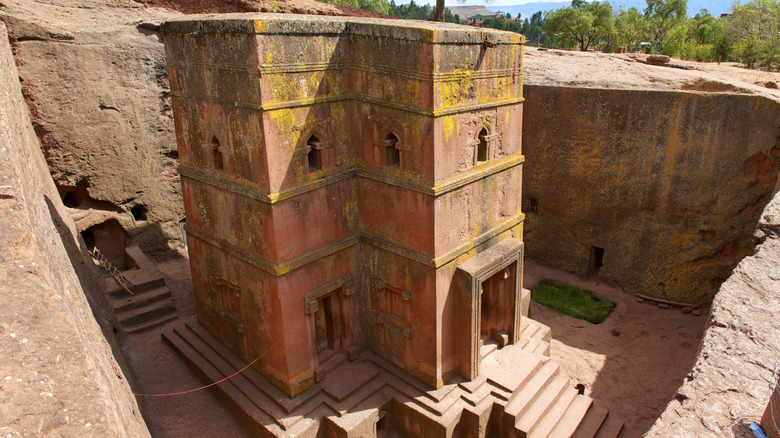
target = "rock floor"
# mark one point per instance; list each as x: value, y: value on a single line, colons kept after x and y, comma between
x: 631, y: 364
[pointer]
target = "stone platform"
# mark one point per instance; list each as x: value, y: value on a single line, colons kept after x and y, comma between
x: 520, y: 392
x: 152, y: 303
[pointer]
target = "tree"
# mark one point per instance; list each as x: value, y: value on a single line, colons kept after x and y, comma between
x: 674, y: 43
x: 754, y: 28
x: 581, y: 24
x: 533, y: 29
x: 663, y: 15
x: 631, y: 28
x: 380, y: 6
x: 438, y: 13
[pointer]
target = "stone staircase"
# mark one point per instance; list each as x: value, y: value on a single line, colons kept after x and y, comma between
x: 549, y: 406
x: 519, y: 393
x: 152, y: 303
x: 535, y: 337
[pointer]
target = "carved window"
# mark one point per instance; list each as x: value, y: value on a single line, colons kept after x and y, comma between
x: 216, y: 154
x: 230, y: 295
x: 482, y: 146
x: 392, y: 154
x: 395, y: 307
x: 314, y: 154
x: 533, y: 205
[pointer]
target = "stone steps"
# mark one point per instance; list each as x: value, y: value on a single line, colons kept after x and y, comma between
x: 214, y: 364
x: 599, y: 424
x: 530, y: 392
x: 537, y: 407
x: 155, y: 307
x: 136, y: 283
x: 152, y: 303
x: 547, y: 404
x: 573, y: 417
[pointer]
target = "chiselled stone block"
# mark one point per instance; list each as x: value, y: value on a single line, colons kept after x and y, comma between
x: 340, y: 177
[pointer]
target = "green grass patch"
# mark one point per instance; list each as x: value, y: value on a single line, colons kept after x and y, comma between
x: 578, y: 303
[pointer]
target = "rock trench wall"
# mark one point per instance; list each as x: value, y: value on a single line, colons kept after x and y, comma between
x: 97, y: 89
x: 59, y: 375
x: 728, y: 387
x: 668, y: 184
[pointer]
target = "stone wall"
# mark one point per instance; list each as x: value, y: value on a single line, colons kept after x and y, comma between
x: 59, y: 375
x: 667, y: 184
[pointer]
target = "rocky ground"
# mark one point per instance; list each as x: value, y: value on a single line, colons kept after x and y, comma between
x: 633, y: 362
x: 276, y: 6
x: 630, y: 71
x: 160, y: 370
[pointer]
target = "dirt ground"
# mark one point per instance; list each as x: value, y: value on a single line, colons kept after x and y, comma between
x: 634, y: 361
x: 631, y: 364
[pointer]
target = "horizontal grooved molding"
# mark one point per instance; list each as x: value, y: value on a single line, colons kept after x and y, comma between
x: 270, y: 106
x: 243, y: 188
x: 285, y: 267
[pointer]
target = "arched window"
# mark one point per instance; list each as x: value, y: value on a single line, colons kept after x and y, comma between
x: 216, y: 154
x: 482, y: 147
x: 392, y: 154
x: 314, y: 155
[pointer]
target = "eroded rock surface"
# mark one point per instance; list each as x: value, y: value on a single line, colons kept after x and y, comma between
x: 57, y: 373
x: 94, y: 78
x: 650, y: 177
x: 728, y: 387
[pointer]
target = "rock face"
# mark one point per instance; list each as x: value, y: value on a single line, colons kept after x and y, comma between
x: 59, y: 376
x: 655, y: 190
x: 728, y: 387
x: 93, y: 74
x: 95, y: 81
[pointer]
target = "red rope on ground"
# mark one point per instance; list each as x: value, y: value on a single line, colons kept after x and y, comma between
x: 214, y: 383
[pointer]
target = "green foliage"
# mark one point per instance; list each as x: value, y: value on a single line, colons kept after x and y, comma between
x: 631, y: 28
x: 754, y: 28
x: 533, y: 29
x: 675, y: 41
x: 572, y: 301
x: 699, y: 52
x: 413, y: 11
x: 582, y: 24
x: 662, y: 16
x: 380, y: 6
x: 706, y: 40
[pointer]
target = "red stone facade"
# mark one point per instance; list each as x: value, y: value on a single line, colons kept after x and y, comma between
x: 351, y: 184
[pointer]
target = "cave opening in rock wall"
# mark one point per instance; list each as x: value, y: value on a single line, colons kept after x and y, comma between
x: 75, y: 197
x: 110, y: 240
x: 139, y: 212
x: 596, y: 261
